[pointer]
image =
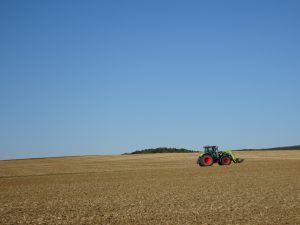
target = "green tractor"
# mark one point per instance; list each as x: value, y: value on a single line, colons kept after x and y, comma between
x: 212, y: 155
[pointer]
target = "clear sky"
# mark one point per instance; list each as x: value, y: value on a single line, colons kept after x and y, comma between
x: 108, y: 77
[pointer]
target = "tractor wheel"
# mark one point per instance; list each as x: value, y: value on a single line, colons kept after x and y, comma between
x: 225, y: 160
x: 206, y: 160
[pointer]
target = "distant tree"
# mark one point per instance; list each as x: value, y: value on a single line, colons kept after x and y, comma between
x: 163, y: 150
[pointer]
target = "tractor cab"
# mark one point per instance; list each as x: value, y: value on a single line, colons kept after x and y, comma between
x: 212, y: 150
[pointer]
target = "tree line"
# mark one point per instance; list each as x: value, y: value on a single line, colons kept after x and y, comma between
x: 163, y: 150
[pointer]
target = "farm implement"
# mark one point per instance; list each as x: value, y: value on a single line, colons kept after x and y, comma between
x: 212, y: 155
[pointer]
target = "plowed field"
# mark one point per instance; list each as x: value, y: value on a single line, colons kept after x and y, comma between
x: 151, y: 189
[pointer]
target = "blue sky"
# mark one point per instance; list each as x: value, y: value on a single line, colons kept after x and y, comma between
x: 108, y: 77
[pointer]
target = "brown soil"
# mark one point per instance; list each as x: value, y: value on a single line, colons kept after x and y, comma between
x: 151, y: 189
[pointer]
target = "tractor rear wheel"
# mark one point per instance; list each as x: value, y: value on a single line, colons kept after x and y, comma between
x: 206, y: 160
x: 225, y: 160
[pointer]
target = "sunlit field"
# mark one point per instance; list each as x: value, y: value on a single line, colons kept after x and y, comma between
x: 151, y: 189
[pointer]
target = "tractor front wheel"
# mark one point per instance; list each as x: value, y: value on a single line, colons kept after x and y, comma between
x: 225, y: 160
x: 206, y: 160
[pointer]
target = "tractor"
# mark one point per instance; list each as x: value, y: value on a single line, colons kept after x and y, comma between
x: 212, y: 155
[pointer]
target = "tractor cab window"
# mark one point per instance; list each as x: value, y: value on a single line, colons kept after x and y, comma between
x: 211, y: 149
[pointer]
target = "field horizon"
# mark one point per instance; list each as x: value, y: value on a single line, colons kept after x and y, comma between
x: 285, y: 148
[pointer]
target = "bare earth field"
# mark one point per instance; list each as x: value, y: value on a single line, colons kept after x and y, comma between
x: 151, y: 189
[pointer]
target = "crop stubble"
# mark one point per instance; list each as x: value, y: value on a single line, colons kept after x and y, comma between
x: 151, y: 189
